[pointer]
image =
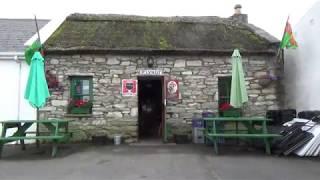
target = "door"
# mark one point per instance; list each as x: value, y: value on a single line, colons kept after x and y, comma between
x: 150, y: 107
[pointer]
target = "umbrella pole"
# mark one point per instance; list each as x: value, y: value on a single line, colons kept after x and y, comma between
x: 41, y: 50
x: 37, y: 129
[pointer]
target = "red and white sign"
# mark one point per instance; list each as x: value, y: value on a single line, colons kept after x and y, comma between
x: 172, y: 89
x: 129, y: 87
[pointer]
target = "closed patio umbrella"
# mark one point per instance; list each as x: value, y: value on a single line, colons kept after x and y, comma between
x: 37, y: 89
x: 238, y: 94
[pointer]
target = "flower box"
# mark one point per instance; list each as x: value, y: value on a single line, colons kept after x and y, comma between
x: 80, y: 110
x: 79, y: 107
x: 233, y: 112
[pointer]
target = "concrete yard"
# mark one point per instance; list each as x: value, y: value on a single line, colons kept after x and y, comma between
x: 152, y: 162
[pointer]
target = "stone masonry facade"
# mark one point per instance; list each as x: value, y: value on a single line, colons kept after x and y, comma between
x: 198, y: 80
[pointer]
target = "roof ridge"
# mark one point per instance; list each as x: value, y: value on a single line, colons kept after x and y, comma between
x: 174, y: 19
x: 132, y: 18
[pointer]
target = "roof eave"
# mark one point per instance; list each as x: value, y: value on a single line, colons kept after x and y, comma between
x: 51, y: 51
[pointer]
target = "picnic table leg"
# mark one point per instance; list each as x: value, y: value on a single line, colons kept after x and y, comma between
x: 54, y: 148
x: 206, y: 131
x: 268, y: 149
x: 1, y: 148
x: 215, y: 143
x: 251, y: 131
x: 55, y: 141
x: 266, y: 140
x: 237, y: 131
x: 37, y: 134
x: 237, y: 127
x: 22, y: 144
x: 3, y: 134
x: 22, y: 141
x: 69, y: 135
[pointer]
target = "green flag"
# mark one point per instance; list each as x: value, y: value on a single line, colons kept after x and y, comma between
x: 29, y: 51
x: 288, y: 40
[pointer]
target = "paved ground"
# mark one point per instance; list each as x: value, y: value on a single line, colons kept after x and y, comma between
x: 175, y: 162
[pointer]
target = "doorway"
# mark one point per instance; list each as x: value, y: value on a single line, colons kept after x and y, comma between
x: 151, y: 108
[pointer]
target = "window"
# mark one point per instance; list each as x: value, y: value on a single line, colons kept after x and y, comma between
x: 80, y: 95
x: 224, y: 91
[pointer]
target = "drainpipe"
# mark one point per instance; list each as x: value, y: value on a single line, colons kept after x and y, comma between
x: 19, y: 85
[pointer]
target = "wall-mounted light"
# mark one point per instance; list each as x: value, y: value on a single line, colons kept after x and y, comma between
x: 150, y: 62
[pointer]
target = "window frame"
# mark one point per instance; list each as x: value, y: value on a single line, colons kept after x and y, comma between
x: 226, y: 81
x: 226, y: 96
x: 72, y: 81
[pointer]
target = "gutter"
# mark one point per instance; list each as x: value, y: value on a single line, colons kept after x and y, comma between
x: 12, y: 56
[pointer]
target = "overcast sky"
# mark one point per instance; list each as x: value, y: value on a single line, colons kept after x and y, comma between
x: 267, y: 14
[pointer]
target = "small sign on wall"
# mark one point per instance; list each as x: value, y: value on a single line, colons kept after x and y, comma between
x: 151, y: 72
x: 172, y: 89
x: 129, y: 87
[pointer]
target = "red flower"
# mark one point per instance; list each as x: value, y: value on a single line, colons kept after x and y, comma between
x: 79, y: 103
x: 225, y: 106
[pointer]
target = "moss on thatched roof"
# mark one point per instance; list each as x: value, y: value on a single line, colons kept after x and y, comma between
x: 137, y: 33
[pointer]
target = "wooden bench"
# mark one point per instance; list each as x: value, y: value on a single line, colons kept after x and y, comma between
x: 213, y: 132
x: 16, y: 138
x: 244, y: 135
x: 57, y: 132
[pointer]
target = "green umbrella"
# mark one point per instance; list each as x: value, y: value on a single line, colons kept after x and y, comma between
x: 238, y: 86
x: 37, y: 89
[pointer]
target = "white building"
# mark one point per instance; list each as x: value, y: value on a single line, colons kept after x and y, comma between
x: 13, y: 69
x: 302, y: 65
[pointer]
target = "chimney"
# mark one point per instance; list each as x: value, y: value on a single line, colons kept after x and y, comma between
x: 238, y: 16
x: 237, y: 9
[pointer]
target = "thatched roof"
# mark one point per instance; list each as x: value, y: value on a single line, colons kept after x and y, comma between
x: 88, y: 32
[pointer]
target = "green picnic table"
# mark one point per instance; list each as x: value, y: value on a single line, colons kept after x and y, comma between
x: 215, y: 128
x: 57, y: 132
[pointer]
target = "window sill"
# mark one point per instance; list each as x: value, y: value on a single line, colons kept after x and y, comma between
x: 78, y: 115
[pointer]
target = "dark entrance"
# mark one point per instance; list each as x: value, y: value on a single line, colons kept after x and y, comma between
x: 150, y: 99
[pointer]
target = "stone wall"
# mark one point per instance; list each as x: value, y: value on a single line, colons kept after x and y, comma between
x: 198, y: 80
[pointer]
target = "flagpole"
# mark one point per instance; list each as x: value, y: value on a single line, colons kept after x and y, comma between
x: 35, y: 19
x: 284, y: 32
x: 38, y: 114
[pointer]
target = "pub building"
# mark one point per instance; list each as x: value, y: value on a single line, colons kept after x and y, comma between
x: 146, y: 77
